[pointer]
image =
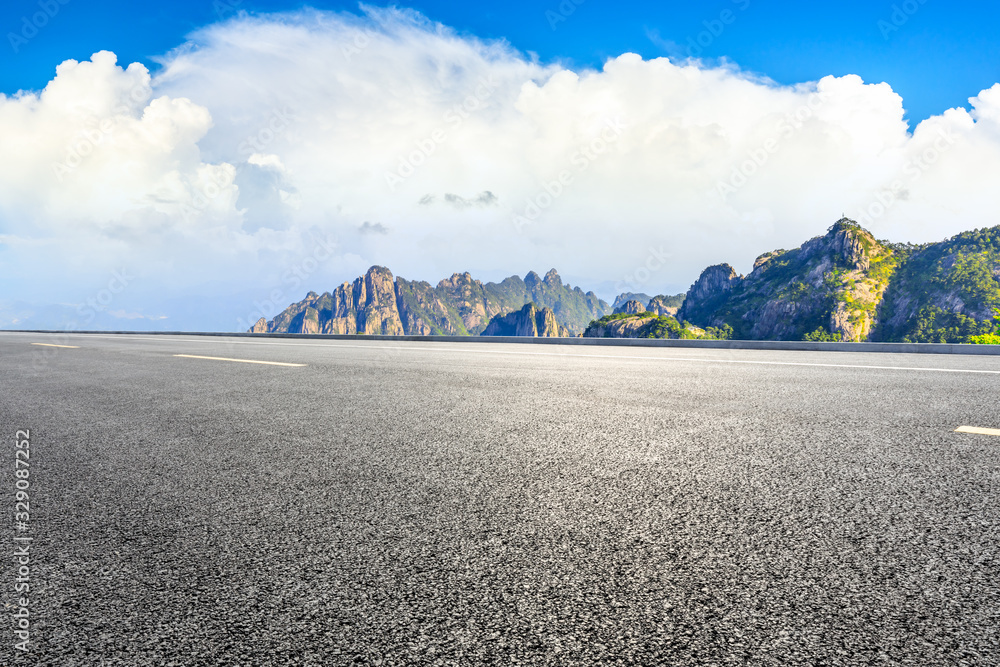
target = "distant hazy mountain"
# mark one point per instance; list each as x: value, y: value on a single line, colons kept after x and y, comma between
x: 378, y: 303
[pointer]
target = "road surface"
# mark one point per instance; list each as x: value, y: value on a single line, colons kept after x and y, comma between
x: 431, y: 503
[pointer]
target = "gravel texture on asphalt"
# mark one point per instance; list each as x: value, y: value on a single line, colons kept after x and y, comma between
x: 428, y: 503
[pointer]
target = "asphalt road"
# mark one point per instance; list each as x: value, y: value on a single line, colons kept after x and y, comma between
x: 432, y: 503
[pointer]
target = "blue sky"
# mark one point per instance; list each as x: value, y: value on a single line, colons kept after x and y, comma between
x: 940, y: 55
x: 213, y: 151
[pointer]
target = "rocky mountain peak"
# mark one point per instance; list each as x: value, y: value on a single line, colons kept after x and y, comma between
x: 846, y: 242
x: 532, y: 280
x: 830, y: 288
x: 631, y: 307
x: 629, y: 296
x: 713, y: 281
x: 712, y: 286
x: 378, y: 303
x: 374, y: 300
x: 378, y: 270
x: 458, y: 279
x: 766, y: 257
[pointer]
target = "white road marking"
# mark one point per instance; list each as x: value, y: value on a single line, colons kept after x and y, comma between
x: 244, y: 361
x: 75, y: 347
x: 977, y: 430
x: 701, y: 359
x: 375, y: 346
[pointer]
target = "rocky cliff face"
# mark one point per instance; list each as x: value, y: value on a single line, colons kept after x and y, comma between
x: 302, y: 317
x: 377, y: 303
x: 848, y: 244
x: 546, y: 325
x: 664, y: 305
x: 470, y: 300
x: 341, y: 315
x: 423, y: 311
x: 629, y: 296
x: 529, y: 321
x: 631, y: 327
x: 631, y: 308
x: 710, y: 290
x: 366, y: 306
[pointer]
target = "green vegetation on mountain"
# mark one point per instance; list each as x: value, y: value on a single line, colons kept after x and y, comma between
x: 829, y: 289
x: 424, y: 311
x: 989, y: 338
x: 986, y: 339
x: 650, y: 325
x: 944, y: 292
x: 669, y: 300
x: 822, y: 336
x: 848, y: 286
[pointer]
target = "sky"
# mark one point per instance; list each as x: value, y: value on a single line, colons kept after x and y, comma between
x: 194, y: 166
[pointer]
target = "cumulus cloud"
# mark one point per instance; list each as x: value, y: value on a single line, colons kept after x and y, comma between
x: 264, y: 134
x: 96, y: 145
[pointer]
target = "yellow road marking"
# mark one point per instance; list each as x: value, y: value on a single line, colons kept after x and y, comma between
x: 244, y: 361
x: 75, y: 347
x: 977, y: 430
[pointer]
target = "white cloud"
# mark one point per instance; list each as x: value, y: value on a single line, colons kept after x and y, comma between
x: 266, y: 133
x: 95, y: 146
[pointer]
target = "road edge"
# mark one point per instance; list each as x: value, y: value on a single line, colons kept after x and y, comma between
x: 807, y: 346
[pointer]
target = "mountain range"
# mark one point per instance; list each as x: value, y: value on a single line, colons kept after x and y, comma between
x: 843, y: 286
x: 378, y: 303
